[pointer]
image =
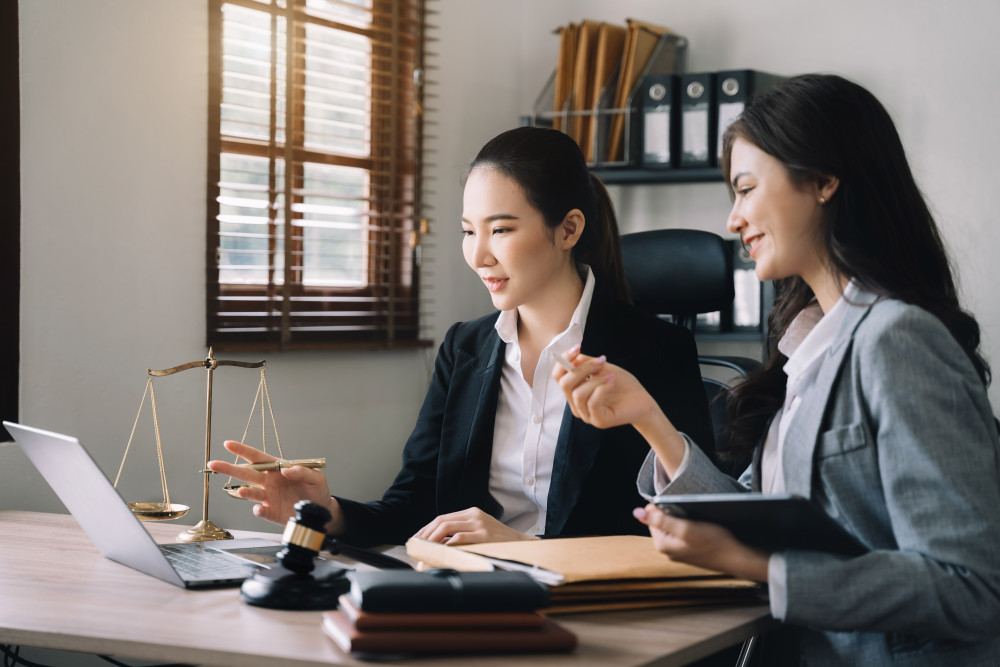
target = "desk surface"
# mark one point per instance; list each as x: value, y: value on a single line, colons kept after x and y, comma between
x: 58, y: 592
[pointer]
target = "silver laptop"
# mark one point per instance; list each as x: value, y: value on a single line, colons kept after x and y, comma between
x: 116, y: 531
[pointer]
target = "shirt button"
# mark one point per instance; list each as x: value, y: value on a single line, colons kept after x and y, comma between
x: 529, y: 481
x: 536, y: 419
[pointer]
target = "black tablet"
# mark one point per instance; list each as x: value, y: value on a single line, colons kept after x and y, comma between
x: 772, y: 522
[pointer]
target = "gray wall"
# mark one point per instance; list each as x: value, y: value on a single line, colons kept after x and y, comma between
x: 114, y: 97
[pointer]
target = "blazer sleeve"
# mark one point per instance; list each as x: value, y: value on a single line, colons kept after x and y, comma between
x: 914, y: 474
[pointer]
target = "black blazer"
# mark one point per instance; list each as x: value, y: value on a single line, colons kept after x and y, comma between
x: 446, y: 461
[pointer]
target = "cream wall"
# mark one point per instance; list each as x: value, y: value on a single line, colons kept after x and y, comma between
x: 113, y: 99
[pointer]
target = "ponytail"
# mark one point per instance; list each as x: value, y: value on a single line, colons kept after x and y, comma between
x: 602, y: 248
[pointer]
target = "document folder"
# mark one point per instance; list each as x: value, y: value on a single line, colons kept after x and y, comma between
x: 697, y: 101
x: 735, y: 88
x: 659, y: 121
x: 590, y: 573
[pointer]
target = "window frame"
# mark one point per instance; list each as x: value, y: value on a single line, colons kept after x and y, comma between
x: 10, y: 230
x: 386, y: 309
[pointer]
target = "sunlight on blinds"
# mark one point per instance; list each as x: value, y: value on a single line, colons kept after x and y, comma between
x: 318, y: 185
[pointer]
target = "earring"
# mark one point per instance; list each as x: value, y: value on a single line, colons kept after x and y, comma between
x: 822, y: 200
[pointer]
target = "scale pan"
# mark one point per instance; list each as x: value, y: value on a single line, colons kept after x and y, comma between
x: 233, y: 489
x: 158, y: 511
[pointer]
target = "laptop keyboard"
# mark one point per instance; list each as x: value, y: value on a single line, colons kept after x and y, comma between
x: 194, y: 562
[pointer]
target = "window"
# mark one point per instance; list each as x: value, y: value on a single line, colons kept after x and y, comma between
x: 315, y: 131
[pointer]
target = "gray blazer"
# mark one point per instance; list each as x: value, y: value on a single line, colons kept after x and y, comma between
x: 897, y: 441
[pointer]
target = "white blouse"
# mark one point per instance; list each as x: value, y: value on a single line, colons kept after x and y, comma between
x: 528, y: 420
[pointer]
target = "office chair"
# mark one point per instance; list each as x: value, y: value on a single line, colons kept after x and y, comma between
x: 679, y: 274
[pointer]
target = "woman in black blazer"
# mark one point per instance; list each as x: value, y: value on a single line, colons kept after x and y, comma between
x: 495, y: 453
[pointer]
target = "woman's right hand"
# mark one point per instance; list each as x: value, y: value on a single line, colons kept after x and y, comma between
x: 605, y: 395
x: 602, y: 394
x: 277, y: 491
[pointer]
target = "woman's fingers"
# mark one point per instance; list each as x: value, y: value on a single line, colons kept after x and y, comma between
x: 241, y: 472
x: 445, y: 525
x: 250, y: 454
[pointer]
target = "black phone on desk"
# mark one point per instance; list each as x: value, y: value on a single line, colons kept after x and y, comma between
x: 769, y: 521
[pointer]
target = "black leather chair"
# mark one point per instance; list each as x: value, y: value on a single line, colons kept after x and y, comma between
x: 679, y: 274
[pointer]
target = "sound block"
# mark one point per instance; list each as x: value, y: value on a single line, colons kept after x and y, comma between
x: 279, y: 588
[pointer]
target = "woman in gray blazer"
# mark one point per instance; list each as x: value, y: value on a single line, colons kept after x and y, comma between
x: 872, y: 401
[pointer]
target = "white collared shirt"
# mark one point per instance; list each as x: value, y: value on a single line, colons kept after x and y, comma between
x: 528, y: 420
x: 805, y: 343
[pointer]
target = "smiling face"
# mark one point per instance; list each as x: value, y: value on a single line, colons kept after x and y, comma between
x: 778, y: 219
x: 507, y: 243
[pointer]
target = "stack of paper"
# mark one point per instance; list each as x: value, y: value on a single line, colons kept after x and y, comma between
x: 589, y: 573
x: 640, y: 42
x: 591, y: 54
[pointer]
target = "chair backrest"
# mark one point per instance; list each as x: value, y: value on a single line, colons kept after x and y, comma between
x: 681, y: 273
x: 678, y: 272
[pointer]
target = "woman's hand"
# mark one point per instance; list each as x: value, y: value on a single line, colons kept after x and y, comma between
x: 605, y: 395
x: 471, y: 526
x: 602, y: 394
x: 703, y: 544
x: 277, y: 491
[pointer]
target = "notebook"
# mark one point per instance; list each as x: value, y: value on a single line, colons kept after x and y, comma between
x: 116, y: 531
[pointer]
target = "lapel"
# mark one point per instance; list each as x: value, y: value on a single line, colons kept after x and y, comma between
x: 467, y: 442
x: 758, y: 458
x: 803, y: 432
x: 578, y: 443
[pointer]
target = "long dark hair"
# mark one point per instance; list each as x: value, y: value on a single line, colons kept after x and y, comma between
x: 877, y: 228
x: 552, y: 172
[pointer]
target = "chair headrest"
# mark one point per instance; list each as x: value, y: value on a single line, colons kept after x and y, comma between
x: 680, y: 272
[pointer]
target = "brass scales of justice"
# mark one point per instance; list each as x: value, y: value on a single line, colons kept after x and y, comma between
x: 166, y: 510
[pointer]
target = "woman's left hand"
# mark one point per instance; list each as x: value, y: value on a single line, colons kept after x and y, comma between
x: 703, y: 544
x: 469, y: 526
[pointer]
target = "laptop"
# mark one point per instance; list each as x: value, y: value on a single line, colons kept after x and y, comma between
x: 117, y: 532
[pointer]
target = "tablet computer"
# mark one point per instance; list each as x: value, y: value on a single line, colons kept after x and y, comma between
x: 773, y: 522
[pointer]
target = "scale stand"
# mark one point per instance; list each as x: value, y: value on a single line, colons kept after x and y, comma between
x: 205, y: 530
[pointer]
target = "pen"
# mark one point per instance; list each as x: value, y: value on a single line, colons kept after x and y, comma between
x: 567, y: 364
x: 278, y: 465
x: 564, y: 362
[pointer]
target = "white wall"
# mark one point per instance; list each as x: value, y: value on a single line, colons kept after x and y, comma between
x: 114, y: 100
x: 113, y: 149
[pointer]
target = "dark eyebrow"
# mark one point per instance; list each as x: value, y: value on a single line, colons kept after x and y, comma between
x: 495, y: 217
x: 736, y: 178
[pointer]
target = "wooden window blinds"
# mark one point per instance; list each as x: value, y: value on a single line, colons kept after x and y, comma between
x: 314, y: 174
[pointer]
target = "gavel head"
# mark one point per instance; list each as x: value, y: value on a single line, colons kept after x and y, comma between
x: 303, y: 537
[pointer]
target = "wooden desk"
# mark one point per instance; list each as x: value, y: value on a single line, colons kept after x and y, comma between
x: 58, y: 592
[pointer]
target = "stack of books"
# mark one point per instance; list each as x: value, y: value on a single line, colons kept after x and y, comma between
x: 392, y: 613
x: 362, y: 632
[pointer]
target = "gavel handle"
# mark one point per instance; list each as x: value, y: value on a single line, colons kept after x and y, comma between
x: 367, y: 556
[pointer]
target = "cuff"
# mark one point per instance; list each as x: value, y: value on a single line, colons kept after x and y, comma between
x: 661, y: 480
x: 777, y: 586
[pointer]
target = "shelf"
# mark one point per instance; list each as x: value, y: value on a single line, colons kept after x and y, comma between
x: 637, y: 176
x: 729, y: 336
